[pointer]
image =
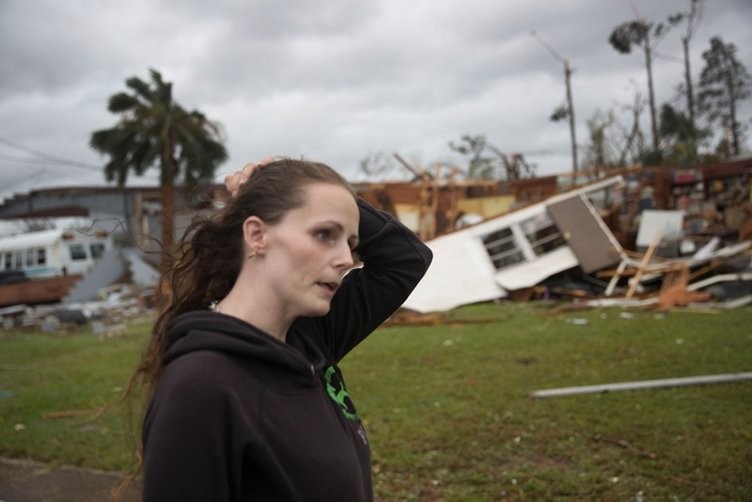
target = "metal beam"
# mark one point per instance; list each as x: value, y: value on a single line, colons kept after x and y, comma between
x: 645, y: 384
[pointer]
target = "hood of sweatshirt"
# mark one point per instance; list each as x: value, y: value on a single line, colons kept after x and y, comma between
x: 208, y: 330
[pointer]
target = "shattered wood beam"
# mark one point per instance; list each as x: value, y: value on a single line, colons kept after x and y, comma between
x: 615, y: 279
x: 706, y: 269
x: 643, y: 265
x: 645, y: 384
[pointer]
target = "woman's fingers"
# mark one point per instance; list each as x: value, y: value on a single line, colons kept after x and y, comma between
x: 234, y: 181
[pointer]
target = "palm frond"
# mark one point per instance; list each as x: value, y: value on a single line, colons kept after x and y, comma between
x: 122, y: 102
x: 140, y: 87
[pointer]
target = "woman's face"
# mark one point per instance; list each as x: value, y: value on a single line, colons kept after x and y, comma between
x: 310, y: 249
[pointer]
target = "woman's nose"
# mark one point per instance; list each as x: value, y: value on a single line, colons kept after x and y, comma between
x: 344, y: 257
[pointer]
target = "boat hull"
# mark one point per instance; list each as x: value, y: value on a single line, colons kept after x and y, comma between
x: 36, y: 291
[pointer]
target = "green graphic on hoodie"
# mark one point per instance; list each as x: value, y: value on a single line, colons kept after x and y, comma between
x: 335, y: 387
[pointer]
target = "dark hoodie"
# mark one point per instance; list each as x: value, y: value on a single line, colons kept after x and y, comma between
x: 238, y: 415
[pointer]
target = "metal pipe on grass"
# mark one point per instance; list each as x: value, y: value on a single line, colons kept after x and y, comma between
x: 645, y: 384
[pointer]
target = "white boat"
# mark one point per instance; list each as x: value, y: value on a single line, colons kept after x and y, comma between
x: 42, y: 266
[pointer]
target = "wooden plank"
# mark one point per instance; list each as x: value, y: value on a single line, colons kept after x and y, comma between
x: 615, y: 279
x: 643, y: 264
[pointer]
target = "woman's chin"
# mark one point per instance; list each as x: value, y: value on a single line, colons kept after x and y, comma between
x: 317, y: 310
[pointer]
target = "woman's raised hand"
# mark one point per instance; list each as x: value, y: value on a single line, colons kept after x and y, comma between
x: 234, y: 181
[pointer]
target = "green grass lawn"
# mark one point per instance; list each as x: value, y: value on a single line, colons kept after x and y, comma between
x: 448, y: 407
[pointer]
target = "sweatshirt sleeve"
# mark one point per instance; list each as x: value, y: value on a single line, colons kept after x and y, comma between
x: 394, y: 261
x: 185, y: 445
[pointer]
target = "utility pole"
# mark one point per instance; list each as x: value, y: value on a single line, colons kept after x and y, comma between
x: 651, y: 92
x: 570, y: 104
x: 570, y: 113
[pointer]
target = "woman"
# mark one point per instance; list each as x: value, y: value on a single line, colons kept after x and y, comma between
x: 248, y: 401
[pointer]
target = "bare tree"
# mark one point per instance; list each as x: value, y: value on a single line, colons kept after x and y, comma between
x: 376, y: 165
x: 501, y: 165
x: 480, y: 165
x: 600, y: 152
x: 634, y: 140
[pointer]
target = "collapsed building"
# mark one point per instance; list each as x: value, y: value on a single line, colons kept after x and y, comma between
x: 646, y: 232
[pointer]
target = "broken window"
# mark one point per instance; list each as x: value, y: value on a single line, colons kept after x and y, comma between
x: 77, y: 252
x: 97, y: 249
x: 502, y: 248
x: 542, y: 234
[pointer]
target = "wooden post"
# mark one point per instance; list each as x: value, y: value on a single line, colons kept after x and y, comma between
x: 644, y: 264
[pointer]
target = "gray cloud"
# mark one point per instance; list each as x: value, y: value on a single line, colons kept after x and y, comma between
x: 332, y: 80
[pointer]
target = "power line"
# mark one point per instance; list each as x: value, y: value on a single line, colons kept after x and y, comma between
x: 24, y: 160
x: 550, y: 49
x: 45, y: 156
x: 667, y: 57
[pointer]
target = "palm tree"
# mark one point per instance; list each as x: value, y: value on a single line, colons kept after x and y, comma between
x: 155, y: 130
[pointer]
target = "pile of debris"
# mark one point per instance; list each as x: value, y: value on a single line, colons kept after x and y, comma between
x: 603, y: 244
x: 107, y: 316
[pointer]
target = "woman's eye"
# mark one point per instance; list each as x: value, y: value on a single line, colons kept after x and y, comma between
x: 324, y: 235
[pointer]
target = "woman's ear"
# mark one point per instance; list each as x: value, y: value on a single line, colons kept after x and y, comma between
x: 254, y: 234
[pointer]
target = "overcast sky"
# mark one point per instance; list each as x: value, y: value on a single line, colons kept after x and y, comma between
x: 331, y: 80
